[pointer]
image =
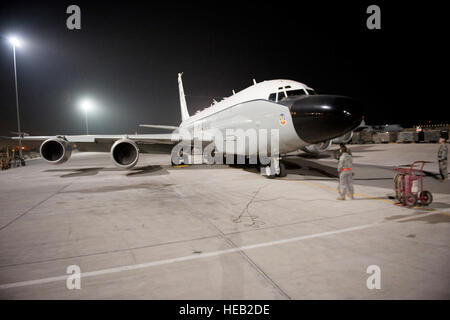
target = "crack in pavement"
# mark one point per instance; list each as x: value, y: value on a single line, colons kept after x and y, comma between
x: 255, y: 223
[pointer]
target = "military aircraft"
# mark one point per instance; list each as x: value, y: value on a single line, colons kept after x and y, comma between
x: 301, y: 118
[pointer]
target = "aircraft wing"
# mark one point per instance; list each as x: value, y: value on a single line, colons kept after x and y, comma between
x: 148, y: 143
x: 105, y: 138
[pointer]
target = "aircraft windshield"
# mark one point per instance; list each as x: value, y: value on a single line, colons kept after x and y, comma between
x: 298, y: 92
x: 290, y: 93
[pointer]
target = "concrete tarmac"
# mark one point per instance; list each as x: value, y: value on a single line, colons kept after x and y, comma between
x: 222, y: 232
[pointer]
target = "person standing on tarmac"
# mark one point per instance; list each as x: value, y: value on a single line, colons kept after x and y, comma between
x: 338, y: 152
x: 442, y: 159
x: 345, y: 174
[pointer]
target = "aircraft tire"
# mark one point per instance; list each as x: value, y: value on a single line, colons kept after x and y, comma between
x: 283, y: 172
x: 269, y: 174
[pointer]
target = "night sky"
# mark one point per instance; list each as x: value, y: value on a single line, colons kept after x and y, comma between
x: 127, y: 55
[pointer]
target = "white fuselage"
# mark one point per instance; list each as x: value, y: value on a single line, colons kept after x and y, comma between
x: 252, y: 108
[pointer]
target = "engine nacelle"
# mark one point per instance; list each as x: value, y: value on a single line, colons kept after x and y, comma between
x: 317, y: 148
x: 343, y: 139
x: 56, y: 150
x: 125, y: 153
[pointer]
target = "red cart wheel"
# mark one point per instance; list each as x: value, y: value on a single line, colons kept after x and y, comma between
x: 426, y: 198
x: 410, y: 200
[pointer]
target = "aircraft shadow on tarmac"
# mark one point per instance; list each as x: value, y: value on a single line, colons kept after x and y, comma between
x: 77, y: 172
x: 137, y: 171
x: 147, y: 171
x: 303, y: 167
x: 363, y: 148
x: 315, y: 156
x: 332, y: 152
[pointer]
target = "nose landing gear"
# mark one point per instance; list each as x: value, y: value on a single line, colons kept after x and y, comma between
x: 275, y: 169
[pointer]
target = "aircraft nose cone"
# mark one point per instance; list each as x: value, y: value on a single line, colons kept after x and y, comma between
x: 323, y: 117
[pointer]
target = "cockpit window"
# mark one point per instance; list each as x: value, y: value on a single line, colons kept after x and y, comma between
x: 281, y: 95
x: 290, y: 93
x: 298, y: 92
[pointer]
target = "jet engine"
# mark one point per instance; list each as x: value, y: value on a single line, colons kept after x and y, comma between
x: 317, y: 148
x: 125, y: 153
x: 344, y: 138
x: 56, y: 150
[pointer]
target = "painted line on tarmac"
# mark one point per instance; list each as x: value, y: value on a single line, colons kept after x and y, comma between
x: 206, y: 255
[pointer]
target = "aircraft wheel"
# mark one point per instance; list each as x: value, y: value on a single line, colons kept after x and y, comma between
x: 426, y: 198
x: 180, y: 156
x: 175, y: 164
x: 269, y: 173
x: 283, y: 172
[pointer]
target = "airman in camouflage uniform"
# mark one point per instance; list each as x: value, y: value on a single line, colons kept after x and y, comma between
x: 442, y: 158
x: 338, y: 152
x: 345, y: 174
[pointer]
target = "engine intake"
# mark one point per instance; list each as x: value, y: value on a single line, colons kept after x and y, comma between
x: 317, y: 148
x: 56, y: 150
x: 125, y: 153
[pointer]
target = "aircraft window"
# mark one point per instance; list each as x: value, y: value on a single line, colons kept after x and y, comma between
x: 272, y: 96
x: 298, y: 92
x: 281, y: 95
x: 287, y: 87
x: 311, y: 92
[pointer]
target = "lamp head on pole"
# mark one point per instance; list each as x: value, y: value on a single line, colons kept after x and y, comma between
x: 86, y: 105
x: 16, y: 42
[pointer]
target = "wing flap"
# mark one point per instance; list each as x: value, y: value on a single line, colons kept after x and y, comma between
x: 157, y: 126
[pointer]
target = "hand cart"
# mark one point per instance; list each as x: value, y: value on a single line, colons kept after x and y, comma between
x: 409, y: 185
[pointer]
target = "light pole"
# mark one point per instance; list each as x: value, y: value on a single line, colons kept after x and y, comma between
x: 15, y: 42
x: 86, y: 105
